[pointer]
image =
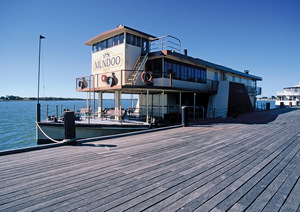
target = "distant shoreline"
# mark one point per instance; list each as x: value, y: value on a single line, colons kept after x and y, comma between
x: 41, y: 99
x: 266, y: 99
x: 21, y: 99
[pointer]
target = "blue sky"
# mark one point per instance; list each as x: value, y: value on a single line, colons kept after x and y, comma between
x: 262, y: 36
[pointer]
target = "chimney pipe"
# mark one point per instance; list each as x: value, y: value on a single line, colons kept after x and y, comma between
x: 185, y: 52
x: 246, y: 71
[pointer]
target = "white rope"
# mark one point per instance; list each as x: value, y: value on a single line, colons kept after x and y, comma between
x: 47, y: 135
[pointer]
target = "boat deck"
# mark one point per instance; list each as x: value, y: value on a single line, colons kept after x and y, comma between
x: 249, y: 163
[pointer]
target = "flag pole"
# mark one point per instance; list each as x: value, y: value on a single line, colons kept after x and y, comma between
x: 38, y: 106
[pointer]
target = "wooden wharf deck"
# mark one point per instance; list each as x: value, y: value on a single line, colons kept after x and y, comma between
x: 250, y: 163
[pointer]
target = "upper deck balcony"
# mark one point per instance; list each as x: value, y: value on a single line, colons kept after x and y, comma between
x: 291, y: 91
x: 123, y: 79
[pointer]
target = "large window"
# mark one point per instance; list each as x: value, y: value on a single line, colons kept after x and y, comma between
x: 110, y: 42
x: 216, y: 76
x: 134, y: 40
x: 184, y: 72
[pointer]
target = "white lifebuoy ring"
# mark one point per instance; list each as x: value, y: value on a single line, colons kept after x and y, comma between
x: 146, y: 77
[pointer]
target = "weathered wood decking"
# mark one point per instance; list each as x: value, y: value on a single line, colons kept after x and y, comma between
x: 218, y: 167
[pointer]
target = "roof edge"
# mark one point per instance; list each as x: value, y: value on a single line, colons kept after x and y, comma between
x: 90, y: 42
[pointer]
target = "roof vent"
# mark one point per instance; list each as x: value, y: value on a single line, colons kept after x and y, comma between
x: 185, y: 52
x: 246, y: 71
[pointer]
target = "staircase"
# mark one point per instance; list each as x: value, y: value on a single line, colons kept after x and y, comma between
x: 140, y: 63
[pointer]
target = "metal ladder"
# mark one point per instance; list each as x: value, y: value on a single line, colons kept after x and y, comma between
x: 140, y: 63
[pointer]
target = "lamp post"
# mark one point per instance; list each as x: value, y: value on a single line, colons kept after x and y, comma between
x: 38, y: 106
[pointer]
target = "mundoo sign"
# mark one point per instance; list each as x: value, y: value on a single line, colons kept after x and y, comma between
x: 107, y: 61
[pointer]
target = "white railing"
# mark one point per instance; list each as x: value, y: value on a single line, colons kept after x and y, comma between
x: 166, y: 42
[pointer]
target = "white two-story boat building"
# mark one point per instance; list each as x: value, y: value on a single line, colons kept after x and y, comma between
x: 289, y: 97
x: 128, y: 61
x: 162, y: 76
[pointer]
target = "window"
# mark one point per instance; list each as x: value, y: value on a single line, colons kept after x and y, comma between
x: 103, y: 45
x: 184, y: 72
x: 121, y: 38
x: 109, y: 42
x: 138, y: 41
x: 203, y: 76
x: 128, y: 38
x: 145, y: 45
x: 197, y: 75
x: 178, y: 71
x: 133, y: 40
x: 233, y: 78
x: 216, y: 76
x: 191, y: 74
x: 169, y: 69
x: 240, y: 80
x: 174, y: 71
x: 165, y: 69
x: 116, y: 40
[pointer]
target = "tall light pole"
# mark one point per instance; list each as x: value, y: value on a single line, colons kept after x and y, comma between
x: 38, y: 106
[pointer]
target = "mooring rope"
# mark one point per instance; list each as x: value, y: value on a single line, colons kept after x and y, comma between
x: 51, y: 139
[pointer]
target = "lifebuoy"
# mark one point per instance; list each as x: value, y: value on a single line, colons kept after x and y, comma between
x: 111, y: 81
x: 146, y: 77
x: 82, y: 84
x: 103, y: 78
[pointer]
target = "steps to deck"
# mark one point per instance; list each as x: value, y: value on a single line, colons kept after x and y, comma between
x: 235, y: 166
x: 138, y: 67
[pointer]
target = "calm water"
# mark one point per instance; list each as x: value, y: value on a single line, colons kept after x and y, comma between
x: 17, y: 119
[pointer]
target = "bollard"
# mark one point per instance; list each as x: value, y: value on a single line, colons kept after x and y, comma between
x: 69, y: 126
x: 268, y: 106
x: 38, y: 112
x: 184, y: 118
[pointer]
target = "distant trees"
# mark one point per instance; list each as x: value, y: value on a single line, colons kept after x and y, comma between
x: 11, y: 97
x: 266, y: 98
x: 17, y: 98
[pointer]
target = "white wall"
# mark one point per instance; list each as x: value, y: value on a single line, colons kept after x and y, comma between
x: 219, y: 102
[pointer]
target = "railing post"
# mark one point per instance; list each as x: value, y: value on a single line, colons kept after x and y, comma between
x: 61, y: 113
x: 47, y: 110
x: 57, y: 111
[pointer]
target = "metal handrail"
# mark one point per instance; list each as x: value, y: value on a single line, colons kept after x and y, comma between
x: 198, y: 110
x: 159, y: 43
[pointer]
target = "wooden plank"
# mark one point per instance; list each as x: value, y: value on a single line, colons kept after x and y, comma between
x: 214, y: 167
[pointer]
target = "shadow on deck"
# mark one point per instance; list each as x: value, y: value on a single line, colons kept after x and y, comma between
x: 256, y: 117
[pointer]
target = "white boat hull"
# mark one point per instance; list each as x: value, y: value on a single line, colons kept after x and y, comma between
x: 56, y: 130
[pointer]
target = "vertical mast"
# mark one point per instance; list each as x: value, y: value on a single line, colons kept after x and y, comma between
x: 38, y: 106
